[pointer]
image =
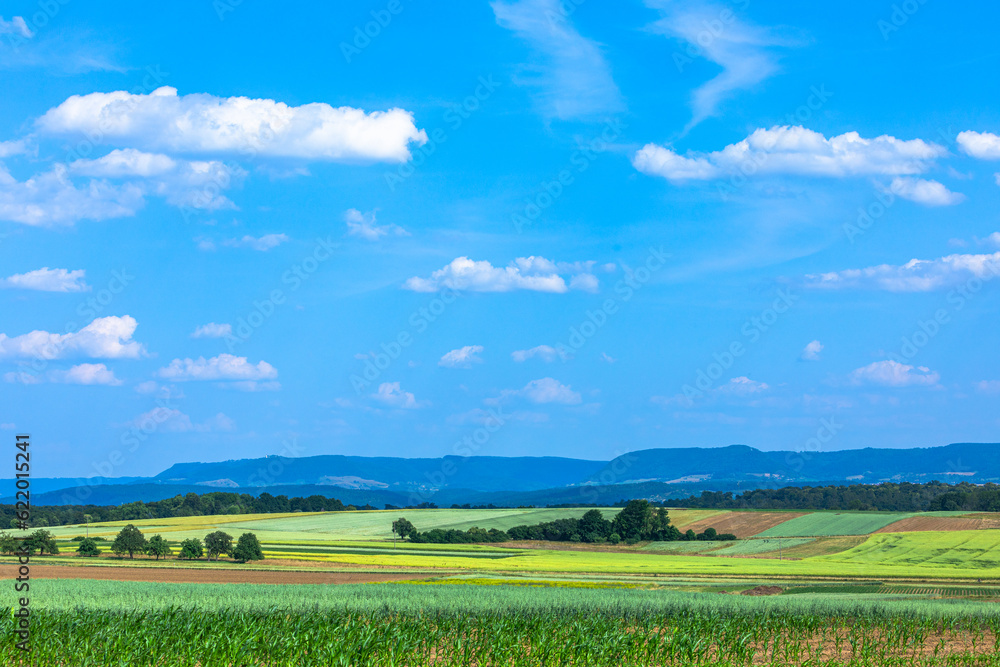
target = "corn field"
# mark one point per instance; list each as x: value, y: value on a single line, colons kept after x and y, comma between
x: 485, y: 626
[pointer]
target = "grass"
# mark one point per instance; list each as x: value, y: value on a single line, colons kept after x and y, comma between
x: 973, y: 550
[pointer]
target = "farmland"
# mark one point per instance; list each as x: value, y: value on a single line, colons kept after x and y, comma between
x: 835, y: 587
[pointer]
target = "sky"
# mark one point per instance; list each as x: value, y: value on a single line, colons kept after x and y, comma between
x: 233, y: 229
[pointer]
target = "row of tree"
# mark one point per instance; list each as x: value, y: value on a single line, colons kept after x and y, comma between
x: 131, y: 541
x: 887, y: 496
x: 638, y: 520
x: 191, y: 504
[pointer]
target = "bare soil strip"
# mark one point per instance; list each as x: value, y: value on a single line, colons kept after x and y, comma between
x: 743, y: 524
x: 944, y: 523
x: 205, y: 576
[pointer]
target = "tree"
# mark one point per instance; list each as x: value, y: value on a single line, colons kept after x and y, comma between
x: 403, y: 528
x: 248, y: 548
x: 631, y: 522
x: 191, y: 549
x: 593, y: 525
x: 690, y: 535
x: 218, y: 543
x: 158, y: 547
x: 614, y: 538
x: 8, y: 543
x: 88, y: 547
x: 40, y: 541
x: 129, y: 541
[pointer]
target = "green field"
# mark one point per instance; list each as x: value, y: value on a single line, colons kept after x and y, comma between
x: 104, y: 623
x: 820, y: 524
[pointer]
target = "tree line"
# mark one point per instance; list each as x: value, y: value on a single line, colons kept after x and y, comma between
x: 887, y: 497
x: 191, y: 504
x: 130, y: 541
x: 638, y: 520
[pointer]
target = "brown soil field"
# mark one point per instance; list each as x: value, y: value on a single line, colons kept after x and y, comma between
x: 743, y: 524
x: 206, y: 576
x: 928, y: 523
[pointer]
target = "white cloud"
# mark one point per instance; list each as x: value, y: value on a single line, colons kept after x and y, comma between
x: 607, y: 358
x: 222, y: 367
x: 213, y: 330
x: 794, y: 150
x: 252, y: 386
x: 981, y: 145
x: 196, y: 184
x: 812, y: 351
x: 988, y: 386
x: 524, y: 273
x: 891, y: 373
x: 170, y: 420
x: 15, y: 26
x: 51, y: 198
x: 543, y: 352
x: 917, y: 275
x: 463, y: 357
x: 86, y: 374
x: 746, y: 53
x: 163, y: 121
x: 392, y: 395
x: 9, y: 148
x: 928, y: 193
x: 742, y: 386
x: 363, y: 225
x: 48, y: 280
x: 262, y: 244
x: 104, y: 338
x: 548, y: 390
x: 573, y: 80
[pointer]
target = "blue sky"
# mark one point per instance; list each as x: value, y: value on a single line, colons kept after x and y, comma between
x: 232, y: 229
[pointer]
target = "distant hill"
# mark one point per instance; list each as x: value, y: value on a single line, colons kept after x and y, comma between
x: 651, y: 473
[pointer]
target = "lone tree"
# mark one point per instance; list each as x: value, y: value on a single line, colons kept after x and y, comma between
x: 88, y: 547
x: 158, y: 547
x: 631, y: 522
x: 191, y: 549
x: 40, y: 541
x: 218, y: 543
x: 129, y: 541
x: 248, y: 548
x: 403, y: 528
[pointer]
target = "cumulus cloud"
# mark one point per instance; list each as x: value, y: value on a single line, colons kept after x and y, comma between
x: 164, y: 121
x: 573, y: 80
x: 196, y: 184
x: 917, y: 275
x: 891, y: 373
x: 170, y: 420
x: 543, y: 352
x: 104, y: 338
x: 261, y: 244
x: 213, y: 330
x: 86, y: 374
x: 463, y: 357
x: 812, y: 351
x: 51, y: 198
x: 222, y: 367
x: 390, y: 394
x: 9, y: 148
x: 981, y: 145
x: 363, y: 225
x: 794, y: 150
x: 48, y: 280
x: 524, y: 273
x: 542, y: 391
x: 928, y: 193
x: 746, y: 53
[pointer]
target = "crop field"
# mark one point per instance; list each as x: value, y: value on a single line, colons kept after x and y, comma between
x: 400, y: 624
x: 743, y: 524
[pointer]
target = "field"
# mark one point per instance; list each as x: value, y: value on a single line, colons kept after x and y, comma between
x: 834, y: 588
x: 401, y: 624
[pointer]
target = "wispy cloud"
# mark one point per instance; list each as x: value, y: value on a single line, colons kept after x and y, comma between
x: 917, y: 275
x: 48, y: 280
x: 463, y: 357
x: 747, y: 54
x: 363, y: 225
x: 573, y: 79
